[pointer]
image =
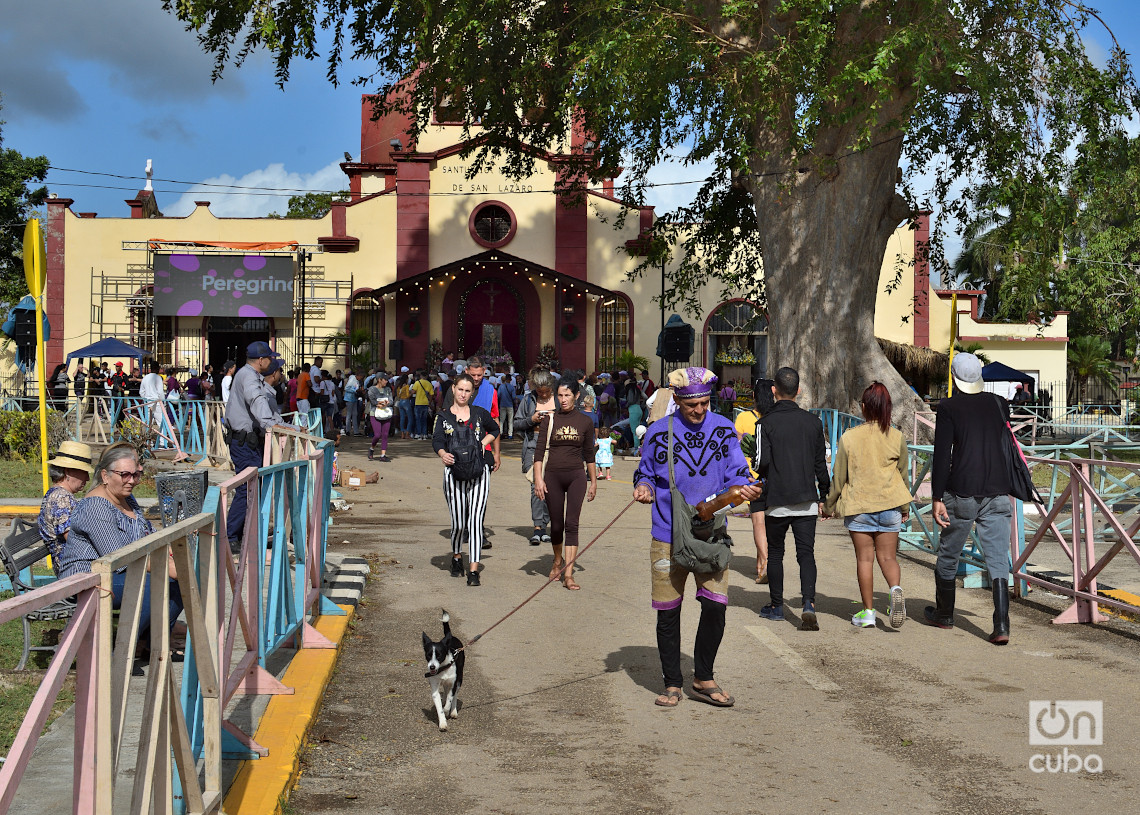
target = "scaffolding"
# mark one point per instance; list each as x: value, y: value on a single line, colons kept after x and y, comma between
x: 122, y: 304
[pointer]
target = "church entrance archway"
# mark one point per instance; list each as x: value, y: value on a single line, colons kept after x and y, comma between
x: 492, y: 320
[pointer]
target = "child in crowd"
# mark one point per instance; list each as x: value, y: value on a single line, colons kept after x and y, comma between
x: 604, y: 458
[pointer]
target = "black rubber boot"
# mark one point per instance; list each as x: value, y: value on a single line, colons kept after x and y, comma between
x: 1001, y: 612
x: 942, y: 615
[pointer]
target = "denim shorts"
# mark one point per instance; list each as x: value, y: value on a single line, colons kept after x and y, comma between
x: 888, y: 520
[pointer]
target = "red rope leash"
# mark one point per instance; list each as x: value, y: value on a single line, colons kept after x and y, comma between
x: 558, y: 576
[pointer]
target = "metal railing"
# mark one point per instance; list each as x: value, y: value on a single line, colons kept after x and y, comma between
x: 274, y: 595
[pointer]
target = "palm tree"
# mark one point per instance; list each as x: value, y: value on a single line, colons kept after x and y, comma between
x: 358, y: 346
x: 974, y: 348
x: 1088, y: 359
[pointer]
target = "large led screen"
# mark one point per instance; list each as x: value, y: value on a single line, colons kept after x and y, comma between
x: 223, y: 285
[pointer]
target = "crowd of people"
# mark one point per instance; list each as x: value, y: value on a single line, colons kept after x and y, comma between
x: 691, y: 457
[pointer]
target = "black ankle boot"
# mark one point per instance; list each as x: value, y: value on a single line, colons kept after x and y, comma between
x: 942, y: 615
x: 1001, y: 612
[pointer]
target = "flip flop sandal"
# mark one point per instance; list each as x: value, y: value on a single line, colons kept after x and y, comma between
x: 706, y: 695
x: 672, y: 696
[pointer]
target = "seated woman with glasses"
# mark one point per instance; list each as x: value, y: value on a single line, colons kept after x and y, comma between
x: 109, y: 518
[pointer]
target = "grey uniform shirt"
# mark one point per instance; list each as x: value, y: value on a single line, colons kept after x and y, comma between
x: 250, y: 402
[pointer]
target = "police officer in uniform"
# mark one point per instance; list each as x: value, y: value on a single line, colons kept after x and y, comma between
x: 250, y: 412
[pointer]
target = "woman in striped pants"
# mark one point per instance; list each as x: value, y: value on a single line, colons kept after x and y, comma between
x: 466, y: 497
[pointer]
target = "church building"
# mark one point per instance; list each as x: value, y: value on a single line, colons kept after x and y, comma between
x: 427, y: 259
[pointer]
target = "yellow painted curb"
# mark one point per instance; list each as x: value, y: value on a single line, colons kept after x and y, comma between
x: 260, y: 787
x: 19, y: 509
x: 1122, y: 596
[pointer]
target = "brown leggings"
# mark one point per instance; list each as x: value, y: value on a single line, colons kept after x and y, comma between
x: 565, y: 491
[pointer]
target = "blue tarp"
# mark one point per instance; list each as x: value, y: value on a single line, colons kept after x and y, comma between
x: 109, y: 347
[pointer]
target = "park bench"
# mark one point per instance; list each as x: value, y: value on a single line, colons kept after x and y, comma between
x: 22, y: 548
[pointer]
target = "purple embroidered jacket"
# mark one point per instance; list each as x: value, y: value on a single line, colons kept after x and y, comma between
x: 706, y: 459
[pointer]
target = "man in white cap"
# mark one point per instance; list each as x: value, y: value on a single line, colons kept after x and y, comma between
x: 970, y: 484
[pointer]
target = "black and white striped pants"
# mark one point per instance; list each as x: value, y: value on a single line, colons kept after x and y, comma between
x: 467, y: 502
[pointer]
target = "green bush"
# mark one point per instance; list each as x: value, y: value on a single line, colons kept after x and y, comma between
x: 20, y: 434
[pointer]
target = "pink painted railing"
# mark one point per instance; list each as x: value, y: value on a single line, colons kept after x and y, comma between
x: 103, y: 674
x: 79, y: 643
x: 1090, y: 519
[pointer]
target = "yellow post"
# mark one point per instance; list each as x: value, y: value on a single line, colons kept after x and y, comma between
x: 953, y: 340
x: 35, y: 272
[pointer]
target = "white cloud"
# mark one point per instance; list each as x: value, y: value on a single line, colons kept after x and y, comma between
x: 258, y: 202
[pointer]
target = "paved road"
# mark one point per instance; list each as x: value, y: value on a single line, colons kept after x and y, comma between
x: 557, y: 712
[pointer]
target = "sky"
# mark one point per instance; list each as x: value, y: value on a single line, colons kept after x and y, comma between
x: 100, y: 87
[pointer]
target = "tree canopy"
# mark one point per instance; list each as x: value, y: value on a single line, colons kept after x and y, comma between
x: 311, y: 204
x: 819, y: 119
x: 1072, y: 246
x: 18, y: 202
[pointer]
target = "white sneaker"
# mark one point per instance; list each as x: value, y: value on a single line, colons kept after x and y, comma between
x: 898, y: 608
x: 864, y: 619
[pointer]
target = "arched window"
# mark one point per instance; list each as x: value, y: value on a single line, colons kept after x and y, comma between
x: 613, y: 329
x: 367, y: 316
x: 736, y: 335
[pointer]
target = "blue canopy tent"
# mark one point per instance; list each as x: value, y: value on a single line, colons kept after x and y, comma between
x: 109, y: 347
x: 997, y: 372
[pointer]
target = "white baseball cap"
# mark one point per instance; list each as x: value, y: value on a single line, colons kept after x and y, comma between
x: 967, y: 372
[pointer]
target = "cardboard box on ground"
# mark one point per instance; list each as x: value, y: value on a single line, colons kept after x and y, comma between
x: 354, y: 478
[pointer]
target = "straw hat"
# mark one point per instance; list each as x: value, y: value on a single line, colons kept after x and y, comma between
x: 74, y: 456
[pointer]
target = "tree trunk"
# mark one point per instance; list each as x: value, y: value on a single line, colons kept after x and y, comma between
x: 824, y: 238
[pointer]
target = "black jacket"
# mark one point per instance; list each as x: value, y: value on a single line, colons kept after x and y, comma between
x: 792, y: 456
x: 969, y: 459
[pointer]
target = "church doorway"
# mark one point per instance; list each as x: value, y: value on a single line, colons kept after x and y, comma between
x: 228, y: 337
x: 492, y: 321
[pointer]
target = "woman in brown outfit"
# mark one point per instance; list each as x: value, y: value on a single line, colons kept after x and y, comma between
x: 559, y: 479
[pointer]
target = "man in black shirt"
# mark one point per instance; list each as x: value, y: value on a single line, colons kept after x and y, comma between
x: 970, y: 485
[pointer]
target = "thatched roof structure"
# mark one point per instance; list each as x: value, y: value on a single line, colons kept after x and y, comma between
x: 914, y: 362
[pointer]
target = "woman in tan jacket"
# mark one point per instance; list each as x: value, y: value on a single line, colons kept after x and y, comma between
x: 868, y: 489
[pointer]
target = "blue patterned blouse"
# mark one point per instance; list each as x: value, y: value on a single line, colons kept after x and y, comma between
x: 97, y: 529
x: 55, y: 519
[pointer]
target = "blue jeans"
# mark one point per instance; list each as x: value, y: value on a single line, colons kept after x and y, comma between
x: 423, y: 415
x: 993, y: 516
x: 407, y: 416
x: 242, y: 456
x: 118, y: 582
x: 352, y: 417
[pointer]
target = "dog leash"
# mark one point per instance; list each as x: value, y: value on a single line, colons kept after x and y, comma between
x: 550, y: 580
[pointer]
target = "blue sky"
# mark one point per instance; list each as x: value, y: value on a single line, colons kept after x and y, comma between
x: 104, y: 86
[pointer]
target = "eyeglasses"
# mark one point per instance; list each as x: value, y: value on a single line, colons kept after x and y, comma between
x: 127, y: 475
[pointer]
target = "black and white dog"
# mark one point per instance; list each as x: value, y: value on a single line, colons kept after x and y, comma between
x: 445, y: 671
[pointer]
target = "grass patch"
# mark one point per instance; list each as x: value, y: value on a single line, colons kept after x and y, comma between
x: 22, y: 480
x: 18, y: 689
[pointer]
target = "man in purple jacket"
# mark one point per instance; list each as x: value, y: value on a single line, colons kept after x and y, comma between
x: 706, y: 459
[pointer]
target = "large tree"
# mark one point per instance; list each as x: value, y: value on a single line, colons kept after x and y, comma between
x: 18, y: 202
x: 817, y: 116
